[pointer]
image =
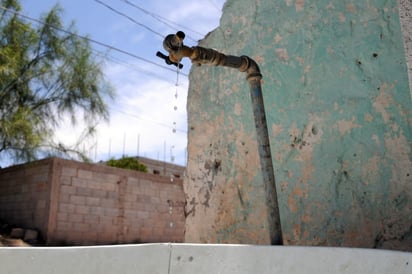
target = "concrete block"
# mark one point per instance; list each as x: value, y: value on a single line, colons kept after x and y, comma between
x: 30, y: 236
x: 17, y: 233
x: 86, y: 174
x: 66, y: 207
x: 77, y: 200
x: 69, y: 172
x: 67, y: 189
x: 92, y: 201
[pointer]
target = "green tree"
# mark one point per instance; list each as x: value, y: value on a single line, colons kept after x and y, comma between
x: 127, y: 163
x: 45, y: 75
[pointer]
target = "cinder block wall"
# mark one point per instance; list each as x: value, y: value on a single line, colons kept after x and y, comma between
x: 24, y: 195
x: 94, y: 204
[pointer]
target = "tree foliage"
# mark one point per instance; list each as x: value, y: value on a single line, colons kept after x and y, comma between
x: 127, y: 163
x: 45, y: 75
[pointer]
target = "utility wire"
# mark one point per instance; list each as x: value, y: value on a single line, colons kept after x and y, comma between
x: 90, y: 40
x: 128, y: 17
x: 163, y: 20
x: 148, y: 120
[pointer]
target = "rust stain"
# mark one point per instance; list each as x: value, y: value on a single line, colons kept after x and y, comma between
x: 297, y: 231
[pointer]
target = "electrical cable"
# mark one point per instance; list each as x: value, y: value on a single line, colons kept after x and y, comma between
x: 90, y: 40
x: 130, y: 18
x: 148, y: 120
x: 163, y: 20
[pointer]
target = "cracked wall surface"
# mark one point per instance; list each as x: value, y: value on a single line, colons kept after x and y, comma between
x: 337, y: 99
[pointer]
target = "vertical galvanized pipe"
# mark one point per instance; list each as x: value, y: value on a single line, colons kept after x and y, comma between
x: 266, y: 163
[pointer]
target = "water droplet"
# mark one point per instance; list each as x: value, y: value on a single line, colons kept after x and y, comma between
x: 174, y: 130
x: 175, y: 108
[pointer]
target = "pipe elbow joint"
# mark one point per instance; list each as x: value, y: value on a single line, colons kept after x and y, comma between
x: 251, y: 68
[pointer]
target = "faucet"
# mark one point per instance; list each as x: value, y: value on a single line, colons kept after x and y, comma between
x: 173, y: 44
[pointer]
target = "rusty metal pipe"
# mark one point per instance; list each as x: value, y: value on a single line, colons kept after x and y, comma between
x: 173, y: 43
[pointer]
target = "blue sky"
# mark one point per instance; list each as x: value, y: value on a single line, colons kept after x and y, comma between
x: 148, y: 116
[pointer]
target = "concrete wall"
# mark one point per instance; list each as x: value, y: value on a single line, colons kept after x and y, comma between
x: 338, y: 105
x: 189, y: 259
x: 405, y: 13
x: 92, y: 204
x: 24, y: 195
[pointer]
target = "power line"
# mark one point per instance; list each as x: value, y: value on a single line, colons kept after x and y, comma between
x: 163, y: 20
x: 128, y: 17
x: 90, y: 40
x: 148, y: 120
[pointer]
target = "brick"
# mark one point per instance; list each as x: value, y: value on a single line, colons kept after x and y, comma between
x: 87, y: 174
x: 99, y: 193
x: 64, y: 198
x: 106, y: 221
x: 17, y: 233
x: 78, y: 200
x: 62, y: 216
x: 41, y: 204
x: 108, y: 186
x: 75, y: 218
x: 92, y: 201
x: 67, y: 171
x: 31, y: 235
x: 69, y: 208
x: 99, y: 211
x: 65, y: 180
x: 108, y: 203
x: 143, y: 214
x: 92, y: 220
x: 81, y: 227
x: 130, y: 197
x: 64, y: 226
x: 84, y: 191
x: 111, y: 212
x: 67, y: 189
x: 82, y: 209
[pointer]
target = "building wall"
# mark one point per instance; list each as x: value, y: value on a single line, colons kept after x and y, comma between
x: 338, y: 106
x: 92, y: 204
x: 162, y: 168
x: 405, y: 13
x: 24, y: 195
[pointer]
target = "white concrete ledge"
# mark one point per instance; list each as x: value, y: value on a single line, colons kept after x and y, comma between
x: 192, y: 258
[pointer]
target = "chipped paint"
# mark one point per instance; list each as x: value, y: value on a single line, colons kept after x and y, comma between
x: 339, y: 115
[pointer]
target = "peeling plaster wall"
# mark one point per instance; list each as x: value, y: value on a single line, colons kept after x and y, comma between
x: 405, y: 14
x: 338, y: 105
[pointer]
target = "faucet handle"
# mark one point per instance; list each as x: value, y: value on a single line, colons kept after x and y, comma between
x: 167, y: 60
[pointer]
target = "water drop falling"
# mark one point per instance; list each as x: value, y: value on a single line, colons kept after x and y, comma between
x: 175, y: 108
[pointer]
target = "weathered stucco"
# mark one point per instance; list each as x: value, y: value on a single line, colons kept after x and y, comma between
x: 405, y: 14
x: 338, y: 105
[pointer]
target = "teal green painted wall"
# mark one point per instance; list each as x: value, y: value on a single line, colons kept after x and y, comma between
x: 338, y: 105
